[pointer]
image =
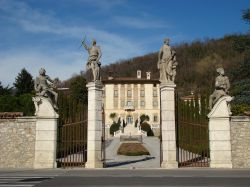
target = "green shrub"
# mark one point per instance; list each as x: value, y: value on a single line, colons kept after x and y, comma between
x: 115, y: 127
x: 239, y: 109
x: 146, y: 127
x: 22, y: 103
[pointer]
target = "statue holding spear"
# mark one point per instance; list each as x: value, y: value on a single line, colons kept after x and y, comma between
x: 93, y: 63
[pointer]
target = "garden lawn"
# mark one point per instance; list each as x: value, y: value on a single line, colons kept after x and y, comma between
x: 132, y: 149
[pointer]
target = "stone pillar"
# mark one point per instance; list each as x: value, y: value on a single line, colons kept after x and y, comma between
x: 219, y: 134
x: 94, y: 157
x: 46, y: 135
x: 168, y: 126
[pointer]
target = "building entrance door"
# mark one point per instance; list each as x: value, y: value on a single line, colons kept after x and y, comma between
x: 129, y: 119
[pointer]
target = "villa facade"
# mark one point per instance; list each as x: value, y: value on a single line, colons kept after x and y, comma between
x: 129, y: 98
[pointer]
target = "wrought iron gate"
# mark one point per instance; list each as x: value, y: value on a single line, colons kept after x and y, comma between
x: 103, y: 149
x: 72, y: 133
x: 192, y: 131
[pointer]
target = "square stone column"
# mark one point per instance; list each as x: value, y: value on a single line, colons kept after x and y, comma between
x: 46, y: 135
x: 168, y: 126
x: 219, y: 134
x: 94, y: 156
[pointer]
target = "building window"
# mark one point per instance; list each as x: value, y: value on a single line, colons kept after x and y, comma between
x: 115, y: 93
x: 142, y: 103
x: 129, y: 94
x: 155, y: 93
x: 115, y: 103
x: 122, y: 103
x: 142, y: 93
x: 155, y: 103
x: 155, y: 118
x: 129, y: 103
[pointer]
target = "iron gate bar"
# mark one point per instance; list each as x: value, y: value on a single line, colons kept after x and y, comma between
x: 72, y: 144
x: 192, y: 132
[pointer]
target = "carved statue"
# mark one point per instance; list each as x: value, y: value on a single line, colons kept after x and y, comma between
x: 174, y: 65
x: 94, y: 59
x: 167, y: 63
x: 222, y: 86
x: 44, y: 87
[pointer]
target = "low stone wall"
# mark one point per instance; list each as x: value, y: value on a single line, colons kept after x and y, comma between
x: 17, y: 142
x: 156, y: 131
x: 240, y: 137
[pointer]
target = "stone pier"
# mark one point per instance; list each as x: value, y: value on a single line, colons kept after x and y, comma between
x: 46, y: 135
x: 167, y: 92
x: 94, y: 157
x: 219, y: 134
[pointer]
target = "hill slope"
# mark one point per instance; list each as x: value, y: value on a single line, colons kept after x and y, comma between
x: 197, y: 62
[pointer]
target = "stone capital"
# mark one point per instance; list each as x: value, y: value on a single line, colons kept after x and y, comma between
x: 94, y: 85
x: 167, y: 86
x: 221, y: 108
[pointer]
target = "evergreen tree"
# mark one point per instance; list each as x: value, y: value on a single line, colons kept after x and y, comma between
x: 4, y: 90
x: 246, y: 15
x: 24, y: 82
x: 78, y: 90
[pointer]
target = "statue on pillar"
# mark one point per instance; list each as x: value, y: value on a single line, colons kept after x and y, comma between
x: 222, y: 86
x: 94, y: 59
x: 45, y: 88
x: 167, y: 63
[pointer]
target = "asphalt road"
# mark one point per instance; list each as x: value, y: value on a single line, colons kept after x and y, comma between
x: 136, y: 177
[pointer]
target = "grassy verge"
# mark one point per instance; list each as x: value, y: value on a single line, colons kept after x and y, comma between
x: 132, y: 149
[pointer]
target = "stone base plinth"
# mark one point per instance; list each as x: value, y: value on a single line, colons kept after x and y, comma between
x: 219, y: 134
x: 46, y: 140
x: 94, y: 156
x: 169, y: 165
x: 93, y: 164
x: 220, y: 165
x: 168, y: 126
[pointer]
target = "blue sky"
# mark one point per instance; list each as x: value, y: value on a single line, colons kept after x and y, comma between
x: 47, y: 33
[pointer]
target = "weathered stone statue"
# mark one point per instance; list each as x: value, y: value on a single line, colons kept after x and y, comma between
x: 222, y: 86
x: 167, y: 63
x: 174, y: 65
x: 94, y: 59
x: 44, y: 87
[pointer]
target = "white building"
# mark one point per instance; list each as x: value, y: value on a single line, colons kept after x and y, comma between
x: 129, y: 98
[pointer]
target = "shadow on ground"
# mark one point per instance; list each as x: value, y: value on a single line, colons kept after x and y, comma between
x: 114, y: 164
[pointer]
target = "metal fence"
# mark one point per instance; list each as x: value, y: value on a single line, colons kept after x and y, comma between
x: 72, y: 132
x: 72, y: 144
x: 192, y: 131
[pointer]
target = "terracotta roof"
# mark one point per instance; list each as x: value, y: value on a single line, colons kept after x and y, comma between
x: 10, y: 115
x: 130, y: 80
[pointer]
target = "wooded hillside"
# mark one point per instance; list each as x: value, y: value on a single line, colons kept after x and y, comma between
x: 197, y: 62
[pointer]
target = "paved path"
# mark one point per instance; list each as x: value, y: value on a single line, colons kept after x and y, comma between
x: 120, y: 161
x: 126, y: 177
x: 26, y: 178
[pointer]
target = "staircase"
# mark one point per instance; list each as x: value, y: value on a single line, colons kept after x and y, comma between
x: 130, y: 129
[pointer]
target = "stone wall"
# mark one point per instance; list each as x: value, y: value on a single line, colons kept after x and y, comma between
x: 17, y: 142
x: 240, y: 137
x: 156, y: 131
